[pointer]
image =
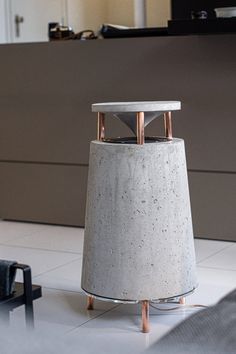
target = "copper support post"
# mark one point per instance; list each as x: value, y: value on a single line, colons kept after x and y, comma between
x: 101, y: 126
x: 140, y: 128
x: 90, y: 301
x: 182, y: 301
x: 168, y: 125
x: 145, y: 317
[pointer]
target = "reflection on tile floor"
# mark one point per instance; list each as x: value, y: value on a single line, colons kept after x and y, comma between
x: 55, y: 255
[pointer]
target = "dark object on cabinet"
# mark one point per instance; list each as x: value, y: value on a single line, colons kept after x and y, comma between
x: 109, y: 31
x: 181, y: 9
x: 202, y: 26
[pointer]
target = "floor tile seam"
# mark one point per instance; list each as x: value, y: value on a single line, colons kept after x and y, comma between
x: 81, y: 253
x: 52, y: 269
x: 216, y: 268
x: 46, y: 229
x: 47, y: 232
x: 63, y: 290
x: 60, y: 266
x: 28, y: 234
x: 91, y: 319
x: 41, y: 249
x: 125, y: 315
x: 212, y: 241
x: 215, y: 253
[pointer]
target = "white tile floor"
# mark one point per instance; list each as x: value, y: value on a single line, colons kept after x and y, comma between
x: 55, y: 255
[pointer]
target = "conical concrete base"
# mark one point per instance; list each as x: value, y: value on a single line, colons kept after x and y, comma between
x: 138, y: 234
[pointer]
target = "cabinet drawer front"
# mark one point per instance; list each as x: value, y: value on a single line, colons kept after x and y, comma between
x: 43, y: 193
x: 213, y: 200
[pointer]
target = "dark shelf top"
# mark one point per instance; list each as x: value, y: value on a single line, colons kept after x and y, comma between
x: 207, y: 26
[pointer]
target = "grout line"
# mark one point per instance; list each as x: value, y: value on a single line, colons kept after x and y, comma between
x: 32, y: 233
x: 91, y: 319
x: 188, y: 313
x: 213, y: 254
x: 213, y: 239
x: 218, y: 268
x: 52, y: 269
x: 64, y: 290
x: 41, y: 249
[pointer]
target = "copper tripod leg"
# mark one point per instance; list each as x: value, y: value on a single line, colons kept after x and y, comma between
x: 145, y: 317
x: 168, y: 125
x: 90, y: 301
x: 140, y: 127
x: 182, y: 300
x: 101, y: 126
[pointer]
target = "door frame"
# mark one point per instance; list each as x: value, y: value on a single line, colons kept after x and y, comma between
x: 9, y: 20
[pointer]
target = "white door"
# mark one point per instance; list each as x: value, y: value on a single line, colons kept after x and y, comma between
x: 3, y: 36
x: 29, y: 18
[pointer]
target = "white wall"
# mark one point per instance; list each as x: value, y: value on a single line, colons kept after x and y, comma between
x: 158, y: 13
x: 86, y: 14
x: 3, y: 36
x: 122, y: 12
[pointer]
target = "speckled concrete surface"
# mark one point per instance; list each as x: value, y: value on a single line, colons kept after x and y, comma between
x: 138, y: 236
x: 138, y: 106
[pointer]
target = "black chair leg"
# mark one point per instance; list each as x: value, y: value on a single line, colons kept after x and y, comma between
x: 29, y: 311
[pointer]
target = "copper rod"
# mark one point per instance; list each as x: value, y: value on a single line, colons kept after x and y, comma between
x: 182, y: 301
x: 140, y: 128
x: 168, y: 125
x: 90, y: 302
x: 101, y: 126
x: 145, y: 317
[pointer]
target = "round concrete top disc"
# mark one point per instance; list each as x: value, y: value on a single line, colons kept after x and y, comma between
x: 139, y: 106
